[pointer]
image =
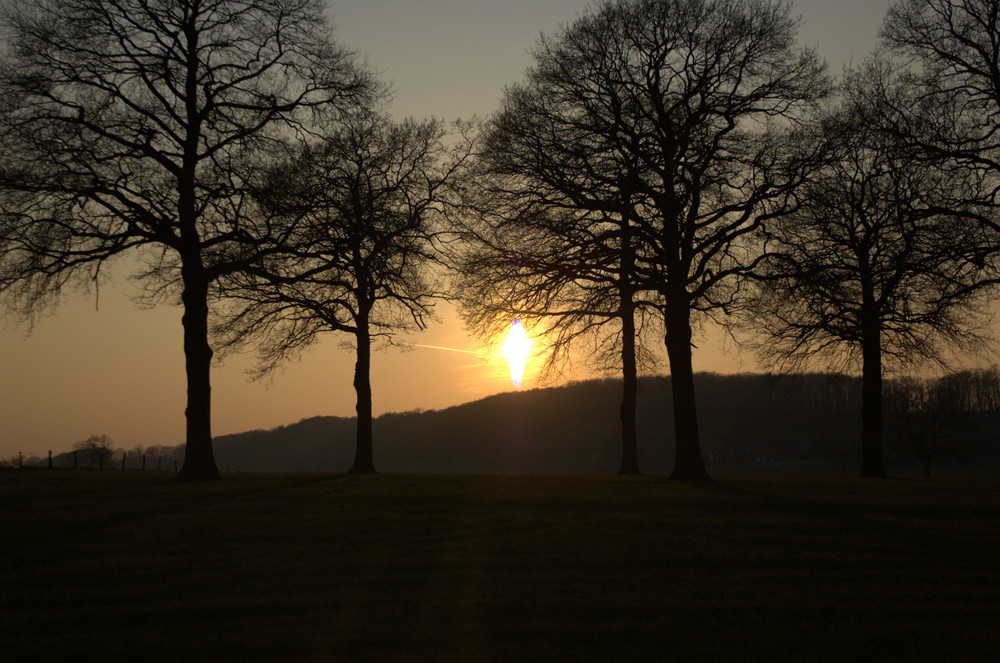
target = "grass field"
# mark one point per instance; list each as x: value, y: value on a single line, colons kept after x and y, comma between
x: 121, y: 566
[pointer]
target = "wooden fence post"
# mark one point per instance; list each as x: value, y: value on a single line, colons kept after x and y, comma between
x: 143, y: 462
x: 50, y: 459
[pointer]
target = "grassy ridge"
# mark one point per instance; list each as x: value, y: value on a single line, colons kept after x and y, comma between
x: 129, y: 566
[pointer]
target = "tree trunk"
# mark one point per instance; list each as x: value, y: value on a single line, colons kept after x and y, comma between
x: 630, y: 391
x: 872, y: 464
x: 199, y: 459
x: 364, y: 461
x: 630, y: 379
x: 688, y: 462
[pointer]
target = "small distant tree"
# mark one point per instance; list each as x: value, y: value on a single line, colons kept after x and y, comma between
x: 163, y: 457
x: 356, y: 210
x: 973, y: 390
x: 135, y: 455
x: 935, y: 419
x: 878, y: 266
x: 920, y: 426
x: 95, y: 451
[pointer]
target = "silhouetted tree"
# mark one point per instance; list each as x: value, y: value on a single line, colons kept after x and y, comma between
x: 971, y: 390
x: 927, y: 421
x: 651, y: 117
x: 952, y: 48
x: 530, y: 253
x: 356, y: 209
x: 131, y: 123
x: 868, y: 271
x: 95, y: 451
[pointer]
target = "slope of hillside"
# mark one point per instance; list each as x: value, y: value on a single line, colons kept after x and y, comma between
x: 746, y: 421
x: 749, y: 424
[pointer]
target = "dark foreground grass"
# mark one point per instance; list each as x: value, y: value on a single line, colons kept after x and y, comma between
x: 131, y: 566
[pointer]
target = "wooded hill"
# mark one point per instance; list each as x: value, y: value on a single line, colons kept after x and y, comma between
x: 750, y: 424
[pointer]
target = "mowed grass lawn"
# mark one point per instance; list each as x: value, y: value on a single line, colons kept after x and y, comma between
x: 119, y: 566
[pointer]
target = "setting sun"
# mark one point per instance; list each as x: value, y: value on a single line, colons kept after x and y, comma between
x: 515, y: 351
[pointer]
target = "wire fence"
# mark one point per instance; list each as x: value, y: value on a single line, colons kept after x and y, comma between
x: 17, y: 460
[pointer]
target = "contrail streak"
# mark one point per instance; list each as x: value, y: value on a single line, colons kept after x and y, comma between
x: 441, y: 347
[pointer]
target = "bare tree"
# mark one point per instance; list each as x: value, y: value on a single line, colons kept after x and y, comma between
x: 131, y: 124
x: 927, y: 422
x: 532, y: 254
x: 869, y: 271
x: 952, y: 48
x: 357, y: 212
x: 653, y: 116
x: 95, y: 451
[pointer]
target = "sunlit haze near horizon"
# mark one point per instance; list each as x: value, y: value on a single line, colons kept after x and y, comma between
x: 104, y: 366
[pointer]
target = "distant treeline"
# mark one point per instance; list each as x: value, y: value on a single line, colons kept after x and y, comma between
x: 806, y: 423
x: 796, y: 424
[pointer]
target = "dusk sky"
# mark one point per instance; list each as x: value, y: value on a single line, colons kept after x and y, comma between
x: 105, y: 366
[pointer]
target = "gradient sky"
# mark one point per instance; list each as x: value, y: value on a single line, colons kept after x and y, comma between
x: 107, y: 367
